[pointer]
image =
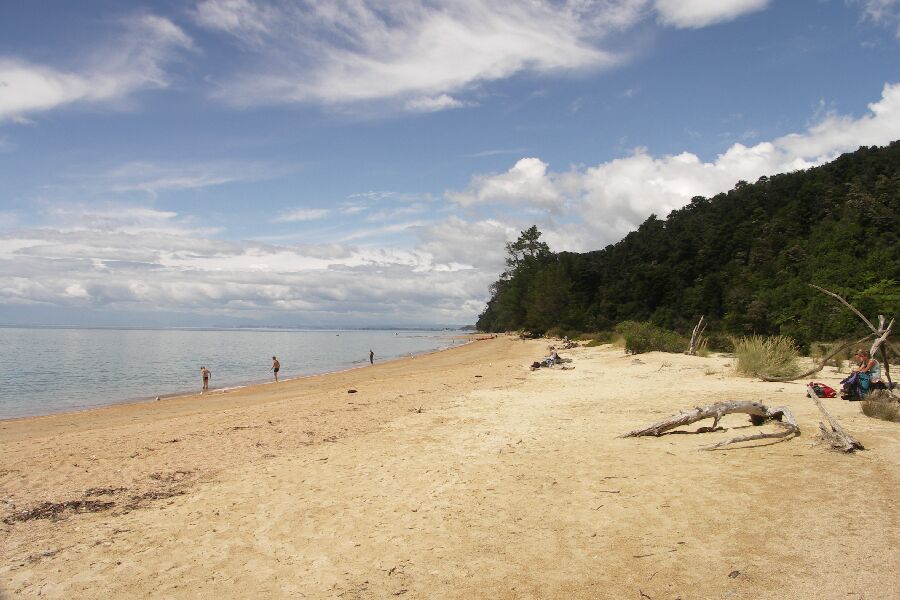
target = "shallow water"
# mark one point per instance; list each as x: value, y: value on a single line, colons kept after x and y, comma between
x: 47, y: 370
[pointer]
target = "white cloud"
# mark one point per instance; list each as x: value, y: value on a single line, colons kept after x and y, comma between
x: 134, y: 62
x: 418, y: 53
x: 882, y: 12
x: 152, y: 178
x: 526, y: 183
x: 150, y: 271
x: 302, y: 214
x: 612, y: 198
x: 241, y: 18
x: 434, y: 103
x: 700, y: 13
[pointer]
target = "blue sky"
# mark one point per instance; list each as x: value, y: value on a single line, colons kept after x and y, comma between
x: 363, y: 162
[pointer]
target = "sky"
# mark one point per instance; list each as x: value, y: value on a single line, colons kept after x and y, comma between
x: 363, y: 162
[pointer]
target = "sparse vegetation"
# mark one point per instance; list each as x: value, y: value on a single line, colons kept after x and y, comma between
x: 647, y: 337
x: 878, y: 408
x: 775, y: 356
x: 819, y: 350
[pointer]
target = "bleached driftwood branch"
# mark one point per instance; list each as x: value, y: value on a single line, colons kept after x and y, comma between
x: 836, y: 436
x: 696, y: 335
x: 758, y: 412
x: 881, y: 334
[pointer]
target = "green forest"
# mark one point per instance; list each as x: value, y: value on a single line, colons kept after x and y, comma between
x: 743, y: 259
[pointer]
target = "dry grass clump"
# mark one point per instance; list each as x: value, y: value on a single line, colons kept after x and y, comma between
x: 775, y: 356
x: 878, y: 408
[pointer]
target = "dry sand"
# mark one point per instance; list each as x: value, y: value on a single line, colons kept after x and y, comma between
x: 460, y: 474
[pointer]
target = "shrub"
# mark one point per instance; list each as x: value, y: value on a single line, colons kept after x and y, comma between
x: 820, y: 350
x: 775, y: 356
x: 720, y: 342
x: 877, y: 408
x: 647, y: 337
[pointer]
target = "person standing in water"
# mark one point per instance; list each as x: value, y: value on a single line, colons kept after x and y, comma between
x: 275, y: 367
x: 371, y: 357
x: 205, y: 374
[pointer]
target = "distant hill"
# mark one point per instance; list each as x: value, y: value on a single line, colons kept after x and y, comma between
x: 742, y: 258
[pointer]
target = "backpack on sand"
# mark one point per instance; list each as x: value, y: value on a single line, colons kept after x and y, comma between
x: 822, y: 390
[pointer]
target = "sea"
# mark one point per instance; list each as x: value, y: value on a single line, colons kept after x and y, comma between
x: 48, y: 370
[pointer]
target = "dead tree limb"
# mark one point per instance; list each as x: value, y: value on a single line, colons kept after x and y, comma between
x: 818, y: 367
x: 699, y: 328
x: 881, y: 334
x: 836, y: 436
x: 878, y: 344
x: 782, y: 415
x: 848, y: 305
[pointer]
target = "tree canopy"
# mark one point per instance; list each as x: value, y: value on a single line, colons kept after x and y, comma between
x: 742, y: 258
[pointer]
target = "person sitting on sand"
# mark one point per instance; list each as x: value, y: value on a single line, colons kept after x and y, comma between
x: 868, y: 371
x: 275, y: 367
x: 206, y: 374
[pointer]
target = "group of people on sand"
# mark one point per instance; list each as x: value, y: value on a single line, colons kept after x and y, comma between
x: 206, y: 374
x: 865, y: 377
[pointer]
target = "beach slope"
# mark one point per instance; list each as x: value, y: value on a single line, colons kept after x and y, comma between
x: 459, y: 474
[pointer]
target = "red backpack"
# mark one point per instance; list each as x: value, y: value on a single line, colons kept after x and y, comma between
x: 822, y: 390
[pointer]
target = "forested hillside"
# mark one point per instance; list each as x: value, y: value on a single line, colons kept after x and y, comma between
x: 742, y: 258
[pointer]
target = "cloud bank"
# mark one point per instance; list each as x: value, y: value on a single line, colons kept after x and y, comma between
x: 612, y: 198
x: 135, y: 61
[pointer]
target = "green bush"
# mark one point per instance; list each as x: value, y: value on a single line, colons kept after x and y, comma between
x: 720, y: 342
x: 647, y: 337
x: 598, y: 338
x: 775, y: 356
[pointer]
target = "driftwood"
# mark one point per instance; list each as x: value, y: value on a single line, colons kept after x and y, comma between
x: 759, y: 413
x: 818, y: 367
x: 879, y: 344
x: 696, y: 336
x: 881, y: 335
x: 836, y: 435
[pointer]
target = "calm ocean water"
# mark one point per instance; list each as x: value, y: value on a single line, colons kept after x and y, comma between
x: 45, y: 370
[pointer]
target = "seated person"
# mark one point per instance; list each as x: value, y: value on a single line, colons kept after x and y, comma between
x: 869, y: 371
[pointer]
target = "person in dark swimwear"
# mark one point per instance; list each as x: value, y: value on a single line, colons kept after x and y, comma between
x: 205, y: 373
x: 371, y: 357
x: 276, y: 366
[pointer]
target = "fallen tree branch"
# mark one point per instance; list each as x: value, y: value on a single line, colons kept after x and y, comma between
x: 837, y: 437
x: 758, y: 412
x: 817, y: 368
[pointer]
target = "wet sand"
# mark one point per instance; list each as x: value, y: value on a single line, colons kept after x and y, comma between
x: 459, y: 474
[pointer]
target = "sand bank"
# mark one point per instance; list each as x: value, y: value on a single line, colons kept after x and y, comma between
x: 459, y: 474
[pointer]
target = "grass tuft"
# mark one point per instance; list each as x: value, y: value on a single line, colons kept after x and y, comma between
x: 886, y: 410
x: 775, y: 356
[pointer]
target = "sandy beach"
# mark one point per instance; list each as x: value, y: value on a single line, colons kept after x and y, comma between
x: 458, y: 474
